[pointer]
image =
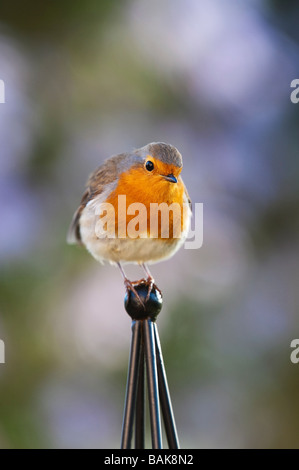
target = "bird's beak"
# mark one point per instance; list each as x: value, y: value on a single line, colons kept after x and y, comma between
x: 170, y: 178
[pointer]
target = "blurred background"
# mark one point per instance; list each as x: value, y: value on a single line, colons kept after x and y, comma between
x: 86, y: 80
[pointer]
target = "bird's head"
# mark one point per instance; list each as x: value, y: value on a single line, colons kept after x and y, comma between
x: 162, y: 161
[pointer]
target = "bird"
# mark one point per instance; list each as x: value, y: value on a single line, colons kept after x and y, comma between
x: 150, y: 175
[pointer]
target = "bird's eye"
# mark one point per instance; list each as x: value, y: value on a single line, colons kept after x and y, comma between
x: 149, y: 165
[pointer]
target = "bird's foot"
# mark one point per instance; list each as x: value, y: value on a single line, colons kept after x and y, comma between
x: 151, y: 283
x: 130, y: 287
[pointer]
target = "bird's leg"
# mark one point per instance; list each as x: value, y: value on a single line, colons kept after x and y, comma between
x: 149, y: 280
x: 129, y: 285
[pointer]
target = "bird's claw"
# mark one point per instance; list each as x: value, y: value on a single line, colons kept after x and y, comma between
x: 150, y: 282
x: 130, y: 287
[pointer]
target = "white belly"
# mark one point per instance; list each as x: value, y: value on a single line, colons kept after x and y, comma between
x: 125, y: 250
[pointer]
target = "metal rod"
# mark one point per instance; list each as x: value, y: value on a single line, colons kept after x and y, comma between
x: 152, y: 379
x: 130, y: 400
x: 140, y: 400
x: 165, y: 400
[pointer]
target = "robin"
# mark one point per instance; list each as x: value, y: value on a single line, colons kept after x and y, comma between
x: 148, y: 176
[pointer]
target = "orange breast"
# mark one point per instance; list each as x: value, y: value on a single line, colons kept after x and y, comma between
x: 143, y: 187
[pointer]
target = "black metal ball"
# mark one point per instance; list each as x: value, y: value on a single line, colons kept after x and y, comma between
x: 149, y: 308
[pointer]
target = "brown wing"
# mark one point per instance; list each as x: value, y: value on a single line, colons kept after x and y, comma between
x: 73, y: 235
x: 97, y: 182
